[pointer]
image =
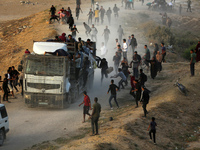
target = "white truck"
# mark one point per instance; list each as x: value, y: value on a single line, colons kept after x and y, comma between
x: 4, y: 123
x: 50, y: 80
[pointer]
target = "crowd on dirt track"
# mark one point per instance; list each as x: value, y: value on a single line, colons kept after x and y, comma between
x: 130, y: 70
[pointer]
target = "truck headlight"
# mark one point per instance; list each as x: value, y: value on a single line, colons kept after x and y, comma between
x: 27, y: 96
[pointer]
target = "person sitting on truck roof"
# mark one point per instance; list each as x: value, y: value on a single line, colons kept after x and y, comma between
x: 58, y: 52
x: 78, y: 65
x: 62, y: 37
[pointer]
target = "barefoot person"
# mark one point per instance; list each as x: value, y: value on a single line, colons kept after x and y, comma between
x: 87, y: 105
x: 95, y: 115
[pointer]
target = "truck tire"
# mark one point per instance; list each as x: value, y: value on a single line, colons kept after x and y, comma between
x: 2, y: 137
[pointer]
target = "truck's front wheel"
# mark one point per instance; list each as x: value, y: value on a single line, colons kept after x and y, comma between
x: 2, y: 137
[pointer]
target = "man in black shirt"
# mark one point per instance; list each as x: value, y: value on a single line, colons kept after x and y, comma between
x: 104, y: 67
x: 74, y: 30
x: 15, y: 75
x: 143, y: 77
x: 145, y: 100
x: 133, y: 43
x: 138, y: 92
x: 5, y: 88
x: 52, y: 10
x: 113, y: 88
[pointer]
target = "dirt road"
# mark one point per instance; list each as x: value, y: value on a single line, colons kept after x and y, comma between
x: 31, y: 126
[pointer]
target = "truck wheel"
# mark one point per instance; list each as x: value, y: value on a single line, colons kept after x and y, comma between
x: 2, y: 137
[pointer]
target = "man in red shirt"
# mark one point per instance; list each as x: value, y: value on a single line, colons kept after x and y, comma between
x: 87, y: 105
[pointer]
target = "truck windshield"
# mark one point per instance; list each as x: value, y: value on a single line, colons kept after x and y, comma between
x: 45, y: 66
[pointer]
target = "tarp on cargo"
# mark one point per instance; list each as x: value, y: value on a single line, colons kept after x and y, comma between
x: 41, y: 47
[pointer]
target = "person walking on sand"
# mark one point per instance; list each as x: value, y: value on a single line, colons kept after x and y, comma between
x: 116, y: 60
x: 152, y: 125
x: 189, y: 5
x: 133, y: 43
x: 192, y: 62
x: 138, y: 92
x: 106, y: 35
x: 163, y: 52
x: 5, y: 88
x: 124, y: 49
x: 113, y: 89
x: 115, y: 10
x: 96, y: 16
x: 120, y: 32
x: 145, y: 100
x: 108, y: 13
x: 87, y: 105
x: 102, y: 13
x: 78, y: 10
x: 104, y: 67
x: 95, y: 116
x: 146, y: 56
x: 90, y: 15
x: 159, y: 61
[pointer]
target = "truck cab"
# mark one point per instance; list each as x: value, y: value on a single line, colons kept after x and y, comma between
x: 4, y: 123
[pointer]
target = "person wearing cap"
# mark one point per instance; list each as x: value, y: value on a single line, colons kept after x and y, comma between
x: 62, y: 37
x: 133, y: 43
x: 74, y: 30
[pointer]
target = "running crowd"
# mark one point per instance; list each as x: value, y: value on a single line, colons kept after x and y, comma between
x: 122, y: 65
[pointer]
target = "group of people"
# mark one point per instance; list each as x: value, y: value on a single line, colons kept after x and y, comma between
x: 99, y: 14
x: 11, y: 79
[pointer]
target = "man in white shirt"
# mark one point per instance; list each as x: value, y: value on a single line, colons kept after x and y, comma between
x: 125, y: 48
x: 103, y: 50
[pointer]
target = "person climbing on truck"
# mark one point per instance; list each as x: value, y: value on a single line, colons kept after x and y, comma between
x: 58, y: 52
